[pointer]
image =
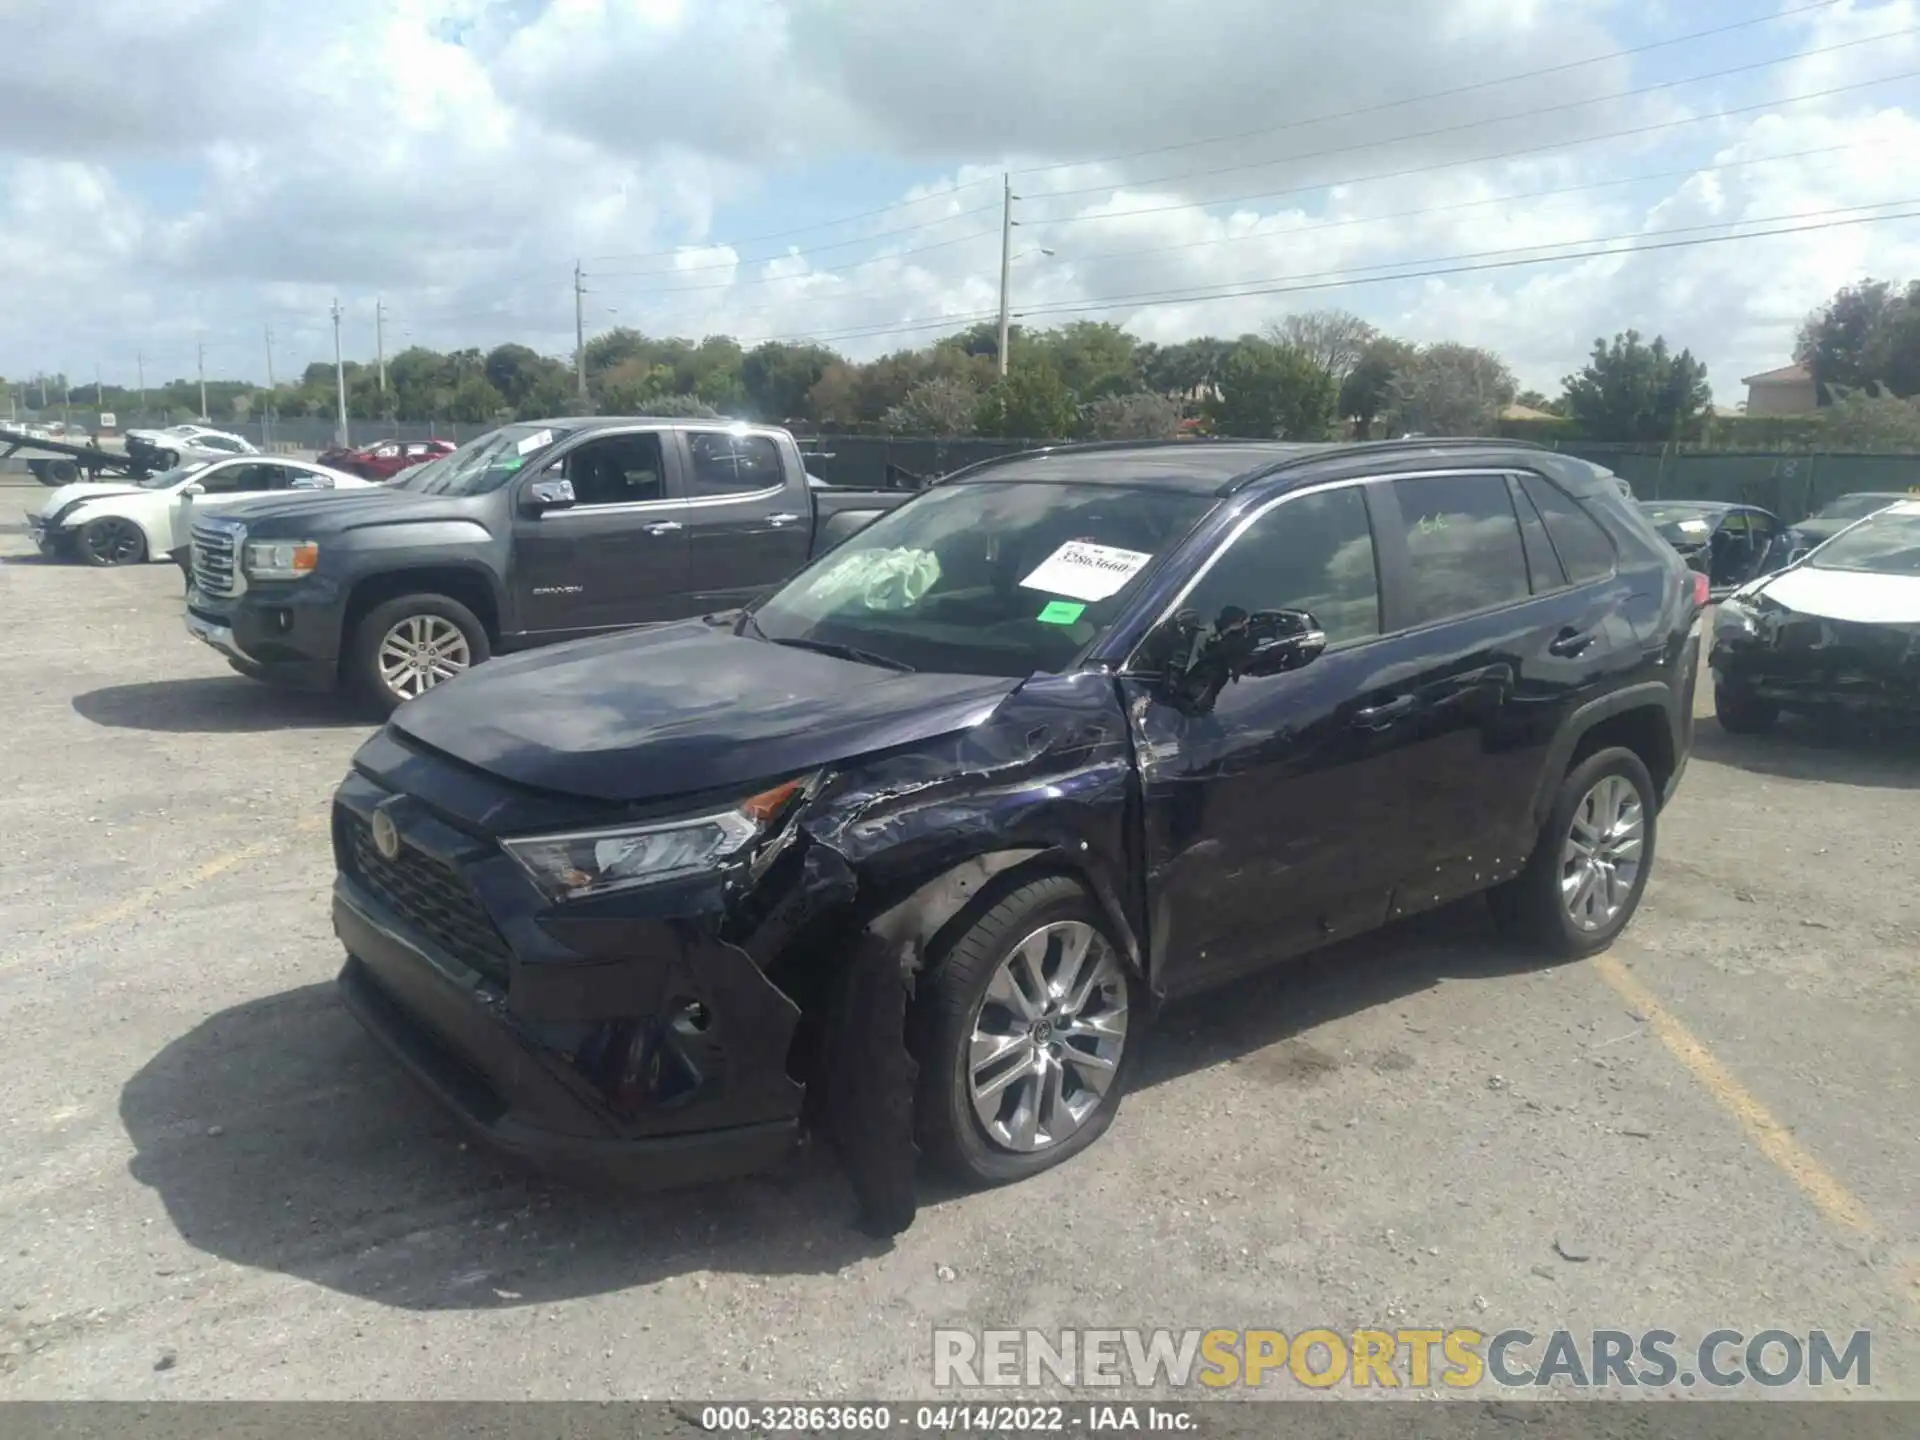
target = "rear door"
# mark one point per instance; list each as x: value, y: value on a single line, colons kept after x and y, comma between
x: 748, y: 516
x: 618, y: 555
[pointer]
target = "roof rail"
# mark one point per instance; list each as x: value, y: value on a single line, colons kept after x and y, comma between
x: 1414, y: 445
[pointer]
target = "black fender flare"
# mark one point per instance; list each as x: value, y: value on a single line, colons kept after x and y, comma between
x: 1648, y: 694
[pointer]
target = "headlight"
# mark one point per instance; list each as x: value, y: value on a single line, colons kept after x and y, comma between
x: 281, y: 559
x: 1738, y: 616
x: 596, y: 862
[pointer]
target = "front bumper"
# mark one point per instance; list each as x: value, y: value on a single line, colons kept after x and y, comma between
x: 47, y: 539
x: 1816, y: 666
x: 290, y: 638
x: 621, y: 1046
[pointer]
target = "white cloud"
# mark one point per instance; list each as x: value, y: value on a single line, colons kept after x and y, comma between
x: 200, y: 168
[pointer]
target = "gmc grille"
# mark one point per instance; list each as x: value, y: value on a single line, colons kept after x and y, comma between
x: 430, y: 897
x: 213, y: 560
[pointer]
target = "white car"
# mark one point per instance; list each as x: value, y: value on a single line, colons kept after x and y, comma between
x: 1835, y: 633
x: 184, y: 442
x: 126, y: 522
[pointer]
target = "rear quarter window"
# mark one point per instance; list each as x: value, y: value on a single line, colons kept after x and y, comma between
x: 1584, y: 547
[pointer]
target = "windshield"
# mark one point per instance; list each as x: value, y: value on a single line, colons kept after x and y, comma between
x: 1888, y: 544
x: 480, y: 465
x: 983, y: 579
x: 1853, y: 507
x: 167, y: 479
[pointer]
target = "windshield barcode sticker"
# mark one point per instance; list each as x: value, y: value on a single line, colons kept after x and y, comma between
x: 537, y: 441
x: 1085, y: 571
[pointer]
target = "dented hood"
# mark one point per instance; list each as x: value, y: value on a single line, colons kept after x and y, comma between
x: 1863, y: 597
x: 682, y: 708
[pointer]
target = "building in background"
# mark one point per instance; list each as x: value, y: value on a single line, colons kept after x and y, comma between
x: 1787, y: 391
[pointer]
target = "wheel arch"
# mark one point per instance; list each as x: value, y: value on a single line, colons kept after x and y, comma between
x: 468, y: 584
x: 1642, y: 718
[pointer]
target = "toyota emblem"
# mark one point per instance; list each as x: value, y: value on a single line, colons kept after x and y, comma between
x: 386, y: 839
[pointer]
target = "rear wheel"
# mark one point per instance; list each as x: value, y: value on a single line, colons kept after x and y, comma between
x: 1025, y: 1045
x: 1741, y: 713
x: 111, y: 540
x: 60, y: 472
x: 405, y: 647
x: 1589, y: 869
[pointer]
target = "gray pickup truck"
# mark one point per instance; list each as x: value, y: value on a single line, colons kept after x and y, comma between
x: 541, y: 531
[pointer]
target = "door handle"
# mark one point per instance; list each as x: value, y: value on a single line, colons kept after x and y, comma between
x: 1378, y: 717
x: 781, y: 519
x: 1569, y: 642
x: 662, y: 527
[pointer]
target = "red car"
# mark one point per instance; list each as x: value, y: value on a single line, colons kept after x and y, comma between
x: 385, y: 458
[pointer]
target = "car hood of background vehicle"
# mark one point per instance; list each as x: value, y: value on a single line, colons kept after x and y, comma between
x: 315, y: 514
x: 680, y: 709
x: 1856, y: 595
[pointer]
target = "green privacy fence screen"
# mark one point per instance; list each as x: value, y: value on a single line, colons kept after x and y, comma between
x: 1790, y: 485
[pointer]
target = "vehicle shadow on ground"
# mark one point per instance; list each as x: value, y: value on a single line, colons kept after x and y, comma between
x: 1803, y: 750
x: 279, y: 1137
x: 213, y: 705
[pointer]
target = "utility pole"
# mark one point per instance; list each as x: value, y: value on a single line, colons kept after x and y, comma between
x: 339, y: 377
x: 201, y: 362
x: 380, y: 341
x: 580, y: 332
x: 266, y: 421
x: 1006, y: 261
x: 140, y: 369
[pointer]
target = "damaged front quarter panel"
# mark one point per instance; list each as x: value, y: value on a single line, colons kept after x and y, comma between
x: 901, y: 849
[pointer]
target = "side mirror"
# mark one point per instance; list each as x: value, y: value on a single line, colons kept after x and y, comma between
x: 196, y: 488
x: 1285, y: 640
x: 312, y: 482
x: 1196, y: 660
x: 549, y: 495
x: 1798, y: 553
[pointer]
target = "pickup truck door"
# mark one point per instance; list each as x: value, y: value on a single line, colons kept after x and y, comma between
x: 749, y: 517
x: 617, y: 555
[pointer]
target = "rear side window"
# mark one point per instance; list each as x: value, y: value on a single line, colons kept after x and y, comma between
x: 1584, y: 547
x: 1463, y: 542
x: 1542, y: 563
x: 728, y: 464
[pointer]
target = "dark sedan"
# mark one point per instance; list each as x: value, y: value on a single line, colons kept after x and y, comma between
x: 1729, y: 544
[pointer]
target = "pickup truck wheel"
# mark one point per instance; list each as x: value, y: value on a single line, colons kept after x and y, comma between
x: 1024, y: 1039
x: 111, y: 540
x: 406, y: 646
x: 1588, y: 871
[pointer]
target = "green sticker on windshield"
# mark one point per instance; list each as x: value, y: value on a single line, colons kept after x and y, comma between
x: 1062, y: 612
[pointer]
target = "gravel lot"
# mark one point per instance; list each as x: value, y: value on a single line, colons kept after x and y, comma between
x: 213, y: 1186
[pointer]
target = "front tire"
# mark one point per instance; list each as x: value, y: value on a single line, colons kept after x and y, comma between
x: 1589, y: 869
x: 111, y: 540
x: 1028, y: 1030
x: 408, y: 645
x: 1740, y: 713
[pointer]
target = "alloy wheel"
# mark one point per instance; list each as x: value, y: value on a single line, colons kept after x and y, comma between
x: 1600, y: 861
x: 114, y: 542
x: 421, y: 651
x: 1048, y: 1036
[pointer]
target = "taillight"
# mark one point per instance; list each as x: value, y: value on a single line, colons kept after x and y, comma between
x: 1700, y: 591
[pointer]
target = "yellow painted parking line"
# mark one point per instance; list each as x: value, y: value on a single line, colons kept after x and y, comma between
x: 1769, y: 1136
x: 140, y: 900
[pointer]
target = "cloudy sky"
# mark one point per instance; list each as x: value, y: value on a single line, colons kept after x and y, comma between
x: 179, y: 172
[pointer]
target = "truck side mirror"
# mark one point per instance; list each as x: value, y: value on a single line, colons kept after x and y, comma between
x: 549, y: 495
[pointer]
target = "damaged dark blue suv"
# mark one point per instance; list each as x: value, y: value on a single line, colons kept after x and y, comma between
x: 911, y: 851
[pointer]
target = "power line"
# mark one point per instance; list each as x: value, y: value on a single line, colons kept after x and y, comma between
x: 1456, y: 90
x: 1553, y: 145
x: 793, y: 254
x: 1532, y: 114
x: 1338, y: 279
x: 1281, y: 234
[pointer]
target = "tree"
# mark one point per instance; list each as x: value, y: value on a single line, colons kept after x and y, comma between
x: 1450, y: 389
x: 1093, y: 358
x: 513, y: 370
x: 1534, y: 400
x: 1368, y: 388
x: 1859, y: 421
x: 1131, y: 417
x: 1186, y: 370
x: 1634, y: 391
x: 941, y: 405
x: 1867, y: 336
x: 777, y: 378
x: 1030, y: 402
x: 1268, y: 391
x: 1334, y: 339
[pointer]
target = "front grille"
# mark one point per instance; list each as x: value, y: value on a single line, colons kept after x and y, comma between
x: 213, y: 560
x: 430, y: 897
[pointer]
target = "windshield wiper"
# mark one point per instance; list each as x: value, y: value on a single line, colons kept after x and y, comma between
x: 842, y: 652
